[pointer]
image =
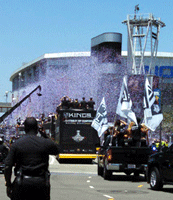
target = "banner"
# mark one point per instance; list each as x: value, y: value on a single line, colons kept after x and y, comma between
x: 136, y: 85
x: 100, y: 122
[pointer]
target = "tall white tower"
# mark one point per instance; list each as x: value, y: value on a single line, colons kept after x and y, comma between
x: 143, y: 36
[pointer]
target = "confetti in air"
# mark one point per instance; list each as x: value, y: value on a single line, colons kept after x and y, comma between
x: 75, y: 77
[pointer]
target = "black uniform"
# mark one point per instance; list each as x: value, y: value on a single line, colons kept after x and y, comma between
x: 65, y: 103
x: 30, y: 156
x: 120, y: 136
x: 83, y: 104
x: 76, y: 104
x: 91, y: 104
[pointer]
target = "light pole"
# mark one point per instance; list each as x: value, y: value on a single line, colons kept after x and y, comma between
x: 161, y: 107
x: 6, y: 95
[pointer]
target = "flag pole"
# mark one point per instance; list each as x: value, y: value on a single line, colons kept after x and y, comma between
x: 161, y: 111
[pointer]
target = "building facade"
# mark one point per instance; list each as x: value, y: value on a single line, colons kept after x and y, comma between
x: 95, y: 74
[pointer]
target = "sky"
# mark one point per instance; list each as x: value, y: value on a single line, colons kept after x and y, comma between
x: 31, y: 28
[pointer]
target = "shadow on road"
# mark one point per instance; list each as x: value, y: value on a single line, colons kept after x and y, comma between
x: 130, y: 178
x: 76, y: 161
x: 168, y: 190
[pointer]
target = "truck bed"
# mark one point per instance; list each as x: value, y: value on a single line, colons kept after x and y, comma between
x: 123, y: 159
x: 132, y: 155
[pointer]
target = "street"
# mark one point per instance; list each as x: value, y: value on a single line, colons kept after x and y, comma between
x: 80, y: 181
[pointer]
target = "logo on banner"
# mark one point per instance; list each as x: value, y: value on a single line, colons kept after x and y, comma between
x: 78, y: 137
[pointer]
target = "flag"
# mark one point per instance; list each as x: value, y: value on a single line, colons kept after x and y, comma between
x: 149, y: 97
x: 124, y: 107
x: 152, y: 111
x: 100, y: 122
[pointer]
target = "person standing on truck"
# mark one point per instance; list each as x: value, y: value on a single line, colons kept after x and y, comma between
x: 91, y: 104
x: 65, y: 101
x: 119, y: 132
x: 136, y: 133
x: 76, y: 104
x: 83, y: 104
x: 144, y: 135
x: 108, y: 134
x: 30, y: 156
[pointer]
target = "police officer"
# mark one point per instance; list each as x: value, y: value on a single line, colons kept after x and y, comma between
x: 30, y: 156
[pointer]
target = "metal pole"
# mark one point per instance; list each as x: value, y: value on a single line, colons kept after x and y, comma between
x: 18, y: 104
x: 161, y: 111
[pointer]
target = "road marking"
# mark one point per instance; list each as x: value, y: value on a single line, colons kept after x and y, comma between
x: 71, y: 172
x: 89, y: 177
x: 52, y: 160
x: 110, y: 198
x: 140, y: 186
x: 88, y: 181
x: 91, y: 187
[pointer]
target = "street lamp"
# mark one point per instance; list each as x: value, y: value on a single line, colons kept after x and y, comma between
x: 6, y: 95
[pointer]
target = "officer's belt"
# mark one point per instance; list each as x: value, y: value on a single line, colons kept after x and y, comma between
x: 30, y: 177
x: 40, y: 173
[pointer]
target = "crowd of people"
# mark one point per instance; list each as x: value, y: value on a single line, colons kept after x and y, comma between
x: 123, y: 134
x: 68, y: 103
x: 3, y: 150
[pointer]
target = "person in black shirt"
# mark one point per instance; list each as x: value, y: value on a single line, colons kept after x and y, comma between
x: 91, y: 104
x: 120, y: 131
x: 65, y: 102
x: 83, y: 103
x: 76, y: 104
x: 30, y: 156
x: 136, y: 133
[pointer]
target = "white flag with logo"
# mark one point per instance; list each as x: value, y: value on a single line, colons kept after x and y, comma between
x: 124, y: 107
x: 100, y: 122
x: 152, y: 111
x: 149, y: 99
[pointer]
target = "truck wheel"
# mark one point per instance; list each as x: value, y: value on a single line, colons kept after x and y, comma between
x: 99, y: 170
x: 155, y: 179
x: 106, y: 174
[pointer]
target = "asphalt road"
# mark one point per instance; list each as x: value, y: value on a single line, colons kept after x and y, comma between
x: 81, y: 182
